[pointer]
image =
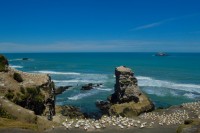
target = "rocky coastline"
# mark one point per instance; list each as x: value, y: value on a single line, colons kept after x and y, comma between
x: 27, y: 101
x: 127, y: 100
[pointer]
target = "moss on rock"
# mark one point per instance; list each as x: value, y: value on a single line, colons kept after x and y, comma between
x: 131, y: 109
x: 189, y: 126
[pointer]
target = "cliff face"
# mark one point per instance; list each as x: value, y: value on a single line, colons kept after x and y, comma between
x: 29, y: 90
x: 126, y: 89
x: 127, y: 100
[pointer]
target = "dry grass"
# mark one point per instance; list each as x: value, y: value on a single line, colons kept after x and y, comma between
x: 8, y: 123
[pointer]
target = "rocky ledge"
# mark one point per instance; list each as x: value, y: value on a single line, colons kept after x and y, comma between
x: 29, y: 90
x: 127, y: 100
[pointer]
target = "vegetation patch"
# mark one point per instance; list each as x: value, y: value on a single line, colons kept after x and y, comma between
x: 5, y: 114
x: 30, y: 98
x: 17, y: 77
x: 9, y: 123
x: 10, y: 94
x: 3, y: 63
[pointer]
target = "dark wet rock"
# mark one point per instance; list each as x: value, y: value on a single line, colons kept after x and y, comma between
x: 61, y: 89
x: 127, y: 100
x: 103, y: 106
x: 25, y: 58
x: 90, y: 86
x: 87, y: 87
x: 71, y: 112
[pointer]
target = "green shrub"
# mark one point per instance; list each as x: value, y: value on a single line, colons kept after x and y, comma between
x: 22, y: 90
x: 17, y: 77
x: 32, y: 99
x: 10, y: 94
x: 3, y: 63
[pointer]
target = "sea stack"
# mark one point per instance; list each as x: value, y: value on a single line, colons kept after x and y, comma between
x: 127, y: 100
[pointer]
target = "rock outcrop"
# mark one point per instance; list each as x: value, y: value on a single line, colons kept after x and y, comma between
x: 3, y: 64
x: 190, y: 126
x: 61, y: 89
x: 29, y: 90
x: 127, y: 100
x: 69, y: 111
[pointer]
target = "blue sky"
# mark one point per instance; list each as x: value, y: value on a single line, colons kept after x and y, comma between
x: 99, y: 25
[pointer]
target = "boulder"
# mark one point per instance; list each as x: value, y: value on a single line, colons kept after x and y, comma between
x: 87, y: 87
x: 71, y: 112
x: 127, y: 100
x: 3, y: 64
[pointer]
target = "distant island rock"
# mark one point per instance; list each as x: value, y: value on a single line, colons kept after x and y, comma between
x: 127, y: 100
x: 161, y: 54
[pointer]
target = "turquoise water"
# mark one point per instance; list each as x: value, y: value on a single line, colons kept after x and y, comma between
x: 169, y: 80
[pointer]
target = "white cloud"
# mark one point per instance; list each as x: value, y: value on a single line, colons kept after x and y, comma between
x: 104, y: 46
x: 158, y: 23
x: 148, y: 26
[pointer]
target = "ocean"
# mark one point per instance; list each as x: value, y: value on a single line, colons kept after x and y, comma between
x: 168, y: 80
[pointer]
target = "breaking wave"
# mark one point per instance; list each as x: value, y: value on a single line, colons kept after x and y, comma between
x: 150, y: 82
x: 83, y: 95
x: 58, y: 73
x: 15, y: 66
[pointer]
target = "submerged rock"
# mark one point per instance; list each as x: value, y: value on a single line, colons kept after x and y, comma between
x: 61, y: 89
x: 71, y: 112
x: 87, y: 87
x: 90, y: 86
x: 25, y: 58
x: 127, y: 100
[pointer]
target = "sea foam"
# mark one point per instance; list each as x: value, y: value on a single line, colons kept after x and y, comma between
x: 148, y: 81
x: 15, y: 66
x: 57, y: 73
x: 83, y: 95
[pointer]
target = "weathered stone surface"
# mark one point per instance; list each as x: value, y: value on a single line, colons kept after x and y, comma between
x: 90, y: 86
x: 190, y: 126
x: 127, y: 100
